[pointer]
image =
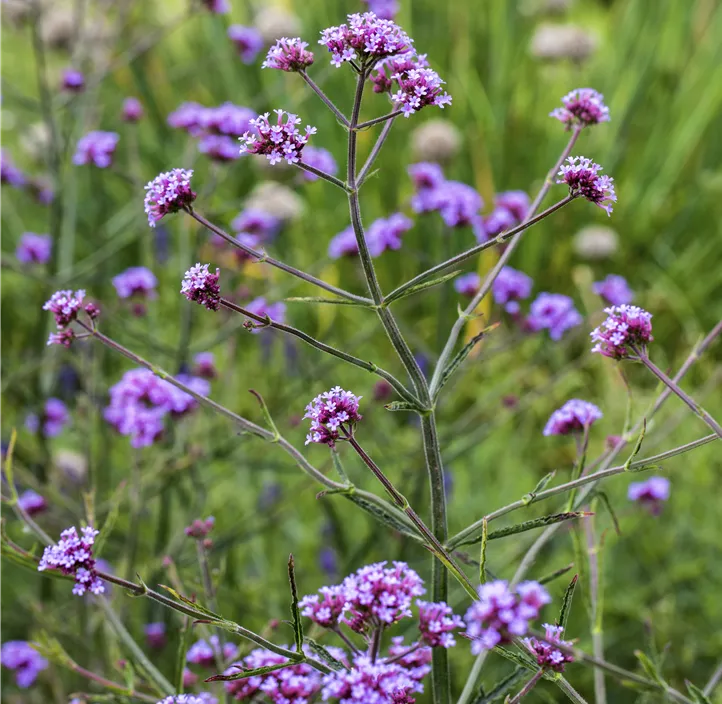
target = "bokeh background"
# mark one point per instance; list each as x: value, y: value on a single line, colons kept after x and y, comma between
x: 507, y: 64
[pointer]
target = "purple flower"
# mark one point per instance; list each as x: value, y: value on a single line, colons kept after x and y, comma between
x: 614, y: 290
x: 204, y: 365
x: 385, y: 233
x: 573, y: 417
x: 516, y: 202
x: 73, y: 555
x: 41, y: 190
x: 328, y: 561
x: 73, y: 81
x: 202, y: 697
x: 498, y: 220
x: 96, y: 147
x: 178, y: 402
x: 509, y: 287
x: 275, y: 311
x: 248, y: 41
x: 650, y: 493
x: 426, y: 176
x: 582, y: 177
x: 280, y: 141
x: 503, y: 613
x: 468, y: 284
x: 65, y: 305
x: 9, y: 173
x: 155, y: 635
x: 203, y: 652
x: 256, y: 222
x: 626, y: 330
x: 582, y: 107
x: 288, y: 55
x: 459, y: 206
x: 330, y: 412
x: 219, y: 147
x: 385, y: 9
x: 188, y: 117
x: 32, y: 503
x: 200, y: 528
x: 415, y: 658
x: 65, y: 338
x: 418, y: 87
x: 326, y: 607
x: 34, y: 249
x: 321, y: 159
x: 437, y: 623
x: 547, y: 655
x: 19, y: 655
x: 217, y: 7
x: 554, y: 312
x: 168, y: 192
x: 135, y: 281
x: 365, y: 37
x: 227, y: 119
x: 132, y: 110
x: 344, y: 244
x: 201, y: 286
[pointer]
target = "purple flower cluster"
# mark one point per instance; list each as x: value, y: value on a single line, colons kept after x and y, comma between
x: 614, y: 290
x: 364, y: 37
x: 32, y: 503
x: 217, y: 7
x: 53, y: 419
x: 650, y: 493
x: 155, y: 635
x: 202, y: 697
x: 277, y: 142
x: 503, y: 613
x: 321, y: 159
x: 96, y: 147
x: 546, y: 654
x: 627, y: 330
x: 256, y: 222
x: 331, y: 412
x: 140, y: 401
x: 437, y: 623
x: 573, y: 417
x: 204, y: 365
x: 369, y: 682
x: 468, y: 284
x: 204, y: 652
x: 288, y: 54
x: 136, y: 281
x: 65, y: 306
x: 554, y: 312
x: 73, y: 555
x: 132, y: 110
x: 385, y: 9
x: 275, y: 311
x: 382, y: 234
x: 416, y: 658
x: 582, y: 107
x: 168, y: 192
x: 73, y: 81
x: 9, y: 173
x: 20, y: 656
x: 510, y: 209
x: 510, y: 287
x: 200, y: 528
x: 34, y: 249
x: 247, y: 40
x: 583, y: 178
x: 201, y: 286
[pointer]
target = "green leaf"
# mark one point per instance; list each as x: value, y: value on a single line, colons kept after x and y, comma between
x: 193, y: 604
x: 8, y: 468
x: 567, y: 602
x: 697, y: 694
x: 387, y: 517
x: 243, y: 674
x: 266, y: 414
x: 650, y: 668
x: 295, y: 613
x: 180, y: 658
x: 324, y: 656
x: 543, y: 482
x: 637, y: 446
x: 554, y: 575
x: 540, y: 522
x: 602, y: 496
x: 519, y: 658
x: 645, y: 468
x: 420, y: 287
x: 501, y: 688
x: 482, y: 551
x: 330, y: 301
x: 405, y: 406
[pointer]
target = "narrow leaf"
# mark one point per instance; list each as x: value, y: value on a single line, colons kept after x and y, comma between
x: 482, y: 552
x: 517, y: 658
x: 384, y: 516
x: 243, y: 674
x: 650, y: 668
x: 697, y: 694
x: 540, y: 522
x: 9, y: 468
x: 324, y: 656
x: 193, y: 604
x: 420, y: 287
x: 602, y: 496
x: 567, y: 603
x: 295, y: 614
x: 501, y: 688
x: 330, y: 301
x: 461, y: 355
x: 637, y: 447
x: 543, y: 482
x: 266, y: 414
x: 554, y: 575
x: 180, y: 658
x: 404, y: 406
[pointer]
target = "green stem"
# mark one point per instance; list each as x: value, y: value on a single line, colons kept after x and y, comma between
x: 472, y: 680
x: 378, y: 120
x: 526, y: 688
x: 363, y: 174
x: 322, y: 174
x: 327, y: 101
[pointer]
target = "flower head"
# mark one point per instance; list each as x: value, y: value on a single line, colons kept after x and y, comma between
x: 9, y: 173
x: 277, y: 142
x: 204, y: 365
x: 135, y: 281
x: 418, y: 87
x: 155, y: 635
x: 321, y: 159
x: 583, y: 178
x: 258, y: 223
x: 650, y: 493
x: 582, y: 107
x: 437, y: 623
x: 204, y: 652
x: 554, y: 312
x: 53, y: 419
x: 32, y: 503
x: 326, y: 607
x: 227, y: 120
x: 34, y: 249
x: 614, y: 290
x: 574, y: 416
x: 217, y: 7
x: 97, y: 148
x: 364, y: 37
x: 385, y: 233
x: 330, y: 413
x: 73, y: 81
x: 187, y: 116
x: 385, y: 9
x: 459, y: 206
x: 168, y: 192
x: 200, y: 528
x: 20, y: 656
x: 626, y: 330
x: 219, y: 147
x: 73, y: 555
x: 248, y: 41
x: 516, y: 202
x: 498, y: 220
x: 414, y: 658
x: 202, y: 697
x: 468, y: 284
x: 510, y: 287
x: 344, y: 244
x: 201, y: 286
x: 546, y: 654
x: 132, y: 110
x: 65, y: 305
x: 288, y: 54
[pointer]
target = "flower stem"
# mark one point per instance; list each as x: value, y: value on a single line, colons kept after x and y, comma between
x: 526, y: 688
x: 378, y: 120
x: 327, y: 101
x: 596, y: 611
x: 472, y: 680
x: 363, y: 174
x: 112, y: 686
x: 322, y: 174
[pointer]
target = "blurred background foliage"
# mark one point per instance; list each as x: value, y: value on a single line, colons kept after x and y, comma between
x: 659, y: 65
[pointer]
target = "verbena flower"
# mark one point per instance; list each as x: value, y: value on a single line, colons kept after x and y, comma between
x: 73, y: 555
x: 385, y: 9
x: 219, y: 147
x: 204, y: 652
x: 96, y: 147
x: 583, y: 178
x: 650, y: 493
x: 510, y: 287
x: 217, y: 7
x: 32, y: 503
x: 626, y: 328
x: 414, y: 658
x: 155, y: 635
x: 132, y: 110
x: 516, y: 202
x: 364, y: 37
x: 573, y: 417
x: 64, y: 338
x: 330, y: 413
x: 459, y: 205
x: 202, y: 286
x: 614, y: 290
x: 168, y: 192
x: 41, y: 189
x: 200, y: 528
x: 370, y: 683
x: 554, y: 312
x: 34, y: 249
x: 582, y: 107
x: 321, y: 159
x: 20, y: 656
x: 547, y: 655
x: 326, y: 607
x: 260, y: 306
x: 468, y: 284
x: 277, y: 142
x: 9, y: 173
x: 344, y: 244
x: 65, y: 306
x: 258, y: 223
x: 135, y: 281
x: 188, y: 116
x: 53, y: 419
x: 498, y: 220
x: 437, y: 623
x: 419, y: 87
x: 73, y: 81
x: 247, y: 40
x: 503, y: 613
x: 202, y: 697
x: 288, y: 54
x: 204, y: 365
x: 385, y: 233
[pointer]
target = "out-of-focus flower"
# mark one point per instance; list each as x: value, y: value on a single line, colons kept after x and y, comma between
x: 34, y: 249
x: 573, y: 417
x: 583, y: 107
x: 510, y: 287
x: 9, y: 173
x: 32, y: 503
x: 385, y: 9
x: 155, y: 635
x: 626, y: 329
x: 426, y: 177
x: 275, y: 311
x: 554, y: 312
x: 583, y: 178
x: 650, y: 493
x: 53, y: 419
x: 385, y: 233
x: 260, y: 223
x: 204, y: 365
x: 219, y: 147
x: 344, y: 244
x: 331, y: 412
x: 595, y: 242
x: 415, y: 658
x: 20, y: 656
x: 277, y: 142
x: 204, y: 652
x: 436, y: 140
x: 217, y: 7
x: 321, y: 159
x: 189, y: 678
x: 136, y: 281
x: 73, y: 81
x: 276, y: 199
x: 555, y: 42
x: 328, y: 561
x: 201, y: 697
x: 459, y: 206
x: 36, y: 141
x: 42, y: 190
x: 73, y: 555
x: 547, y: 655
x: 275, y: 22
x: 72, y: 465
x: 614, y: 290
x: 132, y: 110
x: 437, y: 623
x: 168, y: 192
x: 247, y: 40
x: 516, y: 202
x: 96, y: 147
x: 288, y: 54
x: 468, y: 284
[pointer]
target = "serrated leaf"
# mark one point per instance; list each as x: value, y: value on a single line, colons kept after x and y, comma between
x: 501, y: 688
x: 330, y: 301
x: 602, y: 496
x: 404, y: 406
x: 517, y: 658
x: 650, y: 668
x: 420, y: 287
x: 324, y: 656
x: 460, y: 356
x: 540, y: 522
x: 637, y: 446
x: 243, y: 674
x: 567, y: 602
x: 482, y: 551
x: 541, y: 485
x: 295, y: 613
x: 385, y: 517
x: 697, y: 694
x: 554, y: 575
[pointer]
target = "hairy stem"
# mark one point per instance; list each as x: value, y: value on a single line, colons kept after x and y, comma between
x: 526, y: 688
x: 327, y: 101
x: 322, y: 174
x: 378, y: 120
x: 363, y: 174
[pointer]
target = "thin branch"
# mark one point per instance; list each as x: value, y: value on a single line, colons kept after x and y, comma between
x: 322, y: 174
x: 378, y: 120
x: 327, y: 101
x: 363, y: 174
